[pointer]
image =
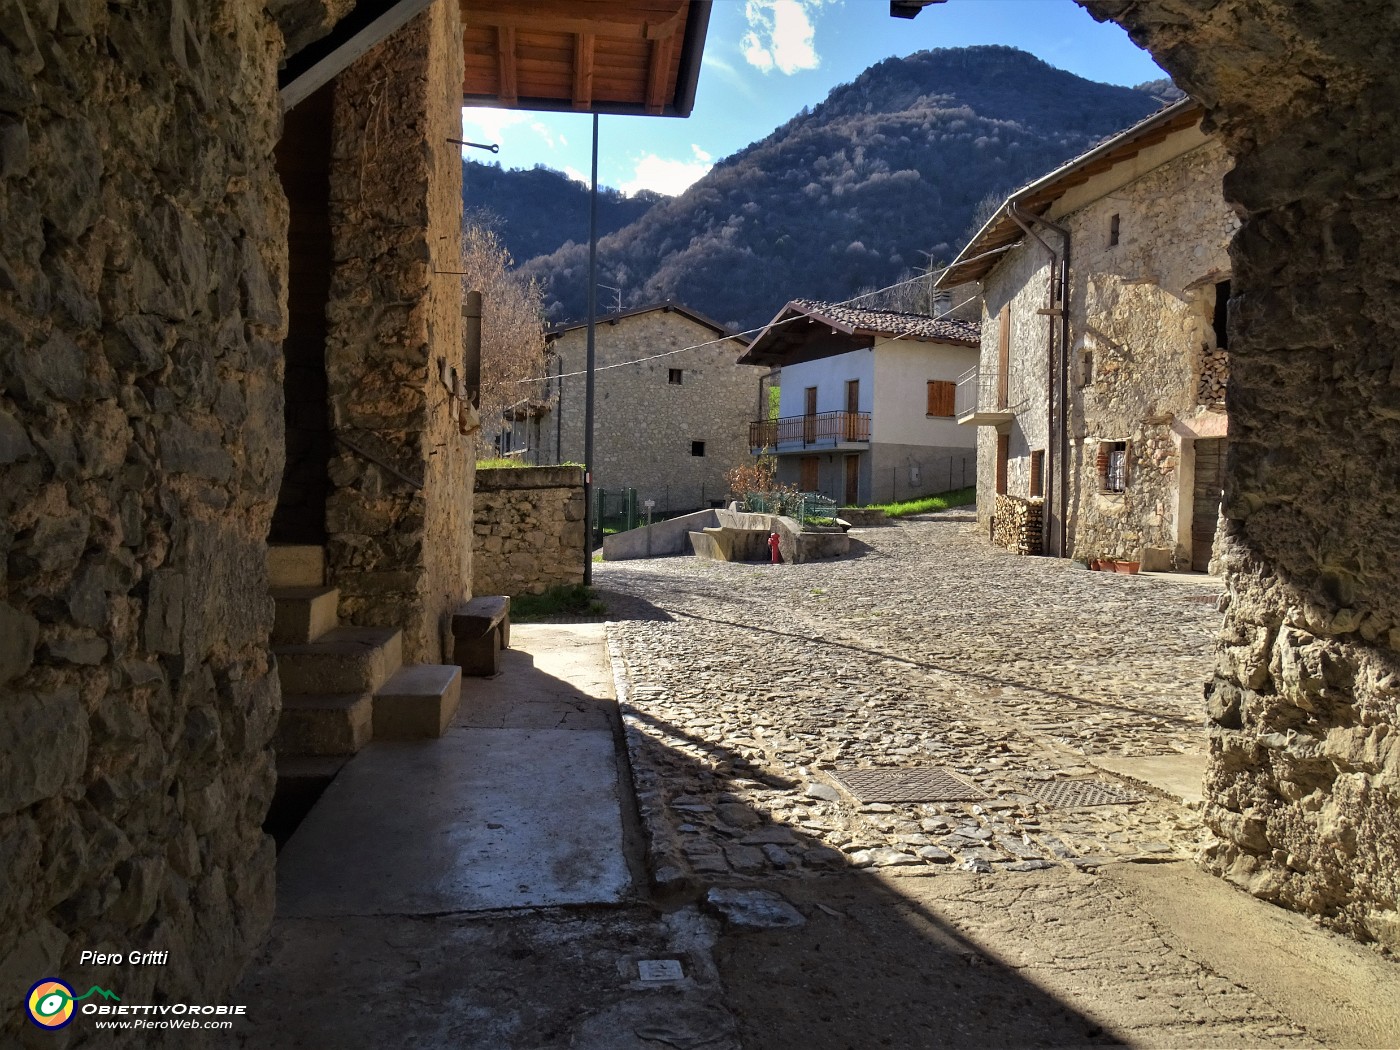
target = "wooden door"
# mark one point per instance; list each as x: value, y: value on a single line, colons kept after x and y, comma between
x: 809, y: 417
x: 852, y: 428
x: 1205, y: 499
x: 810, y: 473
x: 1004, y: 357
x: 1003, y: 457
x: 852, y: 481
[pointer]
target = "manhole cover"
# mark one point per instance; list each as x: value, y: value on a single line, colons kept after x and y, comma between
x: 924, y: 784
x: 1064, y: 794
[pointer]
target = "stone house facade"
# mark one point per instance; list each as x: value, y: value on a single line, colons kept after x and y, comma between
x: 865, y: 401
x: 1131, y: 467
x: 227, y: 320
x: 670, y: 425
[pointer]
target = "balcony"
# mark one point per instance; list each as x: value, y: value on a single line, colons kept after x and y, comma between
x: 981, y: 399
x: 823, y: 430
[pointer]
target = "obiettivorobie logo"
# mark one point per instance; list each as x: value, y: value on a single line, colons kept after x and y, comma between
x: 50, y: 1002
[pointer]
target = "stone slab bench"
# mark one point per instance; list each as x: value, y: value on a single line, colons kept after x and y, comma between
x: 480, y: 630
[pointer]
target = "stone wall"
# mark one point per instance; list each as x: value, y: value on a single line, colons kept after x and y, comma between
x: 529, y: 529
x: 644, y: 424
x: 1303, y: 787
x: 1141, y: 324
x: 142, y: 268
x: 398, y: 552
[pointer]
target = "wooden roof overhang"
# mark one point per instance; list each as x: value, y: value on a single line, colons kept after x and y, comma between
x: 797, y: 335
x: 638, y: 57
x: 1001, y: 230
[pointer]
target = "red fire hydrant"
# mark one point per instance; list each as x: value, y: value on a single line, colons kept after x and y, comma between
x: 773, y: 544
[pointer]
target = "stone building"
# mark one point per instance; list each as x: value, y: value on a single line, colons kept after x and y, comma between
x: 227, y: 320
x: 669, y: 425
x: 1131, y: 468
x: 865, y: 401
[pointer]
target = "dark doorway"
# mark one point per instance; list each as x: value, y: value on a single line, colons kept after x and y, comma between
x: 303, y: 163
x: 852, y: 480
x: 1003, y: 458
x: 810, y: 473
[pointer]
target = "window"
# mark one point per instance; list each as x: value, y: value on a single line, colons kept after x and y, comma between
x: 697, y: 448
x: 1112, y: 466
x: 675, y: 377
x: 940, y: 397
x: 1086, y: 377
x: 1003, y: 456
x: 1114, y: 228
x: 1038, y: 473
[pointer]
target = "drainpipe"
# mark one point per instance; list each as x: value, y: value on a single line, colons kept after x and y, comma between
x: 1059, y: 289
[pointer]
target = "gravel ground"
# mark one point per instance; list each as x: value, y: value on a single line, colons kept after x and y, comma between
x: 748, y: 686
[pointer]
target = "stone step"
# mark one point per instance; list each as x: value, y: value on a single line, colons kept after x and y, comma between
x: 418, y: 702
x: 292, y: 565
x: 324, y: 724
x: 303, y: 614
x: 343, y: 660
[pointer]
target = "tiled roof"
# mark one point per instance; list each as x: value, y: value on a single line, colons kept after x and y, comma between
x: 891, y: 322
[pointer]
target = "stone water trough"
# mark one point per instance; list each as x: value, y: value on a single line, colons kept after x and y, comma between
x: 743, y: 536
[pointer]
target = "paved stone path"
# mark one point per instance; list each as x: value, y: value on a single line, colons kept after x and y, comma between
x: 747, y: 685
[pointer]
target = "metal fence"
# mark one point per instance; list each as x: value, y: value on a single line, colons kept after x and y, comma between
x: 614, y: 510
x: 804, y: 506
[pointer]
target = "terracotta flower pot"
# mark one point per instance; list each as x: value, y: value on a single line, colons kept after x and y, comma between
x: 1096, y: 565
x: 1128, y: 568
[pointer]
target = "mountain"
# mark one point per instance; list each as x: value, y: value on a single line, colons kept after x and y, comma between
x: 538, y: 209
x: 855, y: 194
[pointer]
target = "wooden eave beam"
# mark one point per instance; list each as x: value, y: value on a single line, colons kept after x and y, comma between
x: 567, y: 16
x: 505, y: 57
x: 659, y: 74
x: 583, y: 70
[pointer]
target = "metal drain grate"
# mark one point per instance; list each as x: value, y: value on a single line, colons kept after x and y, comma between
x: 1064, y: 794
x: 919, y: 784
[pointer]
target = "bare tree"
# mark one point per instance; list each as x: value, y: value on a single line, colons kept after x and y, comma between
x: 512, y: 331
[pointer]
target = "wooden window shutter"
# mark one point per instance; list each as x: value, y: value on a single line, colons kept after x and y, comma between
x: 941, y: 395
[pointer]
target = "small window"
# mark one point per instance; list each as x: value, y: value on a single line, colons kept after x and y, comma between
x: 674, y: 378
x: 697, y: 448
x: 1113, y: 230
x: 940, y: 397
x: 1038, y: 473
x: 1112, y: 465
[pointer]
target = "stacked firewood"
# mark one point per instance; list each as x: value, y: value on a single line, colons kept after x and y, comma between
x: 1017, y: 524
x: 1215, y: 373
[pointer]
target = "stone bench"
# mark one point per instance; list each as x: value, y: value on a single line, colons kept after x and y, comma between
x: 480, y: 630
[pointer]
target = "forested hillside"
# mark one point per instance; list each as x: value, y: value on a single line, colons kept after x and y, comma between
x: 888, y: 171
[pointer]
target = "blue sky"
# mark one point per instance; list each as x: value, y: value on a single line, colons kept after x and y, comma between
x: 766, y: 59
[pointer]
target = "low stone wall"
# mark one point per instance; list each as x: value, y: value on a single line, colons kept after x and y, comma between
x: 528, y: 529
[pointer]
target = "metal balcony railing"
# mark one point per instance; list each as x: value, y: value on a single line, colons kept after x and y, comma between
x: 822, y: 429
x: 981, y: 392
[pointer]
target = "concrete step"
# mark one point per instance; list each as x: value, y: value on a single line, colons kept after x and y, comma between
x: 343, y: 660
x: 324, y: 724
x: 290, y: 565
x: 418, y: 702
x: 303, y: 613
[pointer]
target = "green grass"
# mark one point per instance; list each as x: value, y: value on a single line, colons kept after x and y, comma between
x: 507, y: 463
x: 575, y: 600
x: 928, y: 504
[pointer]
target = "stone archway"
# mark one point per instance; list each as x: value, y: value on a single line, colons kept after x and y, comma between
x: 1304, y: 780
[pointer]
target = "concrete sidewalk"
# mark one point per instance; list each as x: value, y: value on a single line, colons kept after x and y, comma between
x: 517, y: 805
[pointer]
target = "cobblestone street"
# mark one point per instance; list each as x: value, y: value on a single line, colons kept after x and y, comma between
x: 749, y: 685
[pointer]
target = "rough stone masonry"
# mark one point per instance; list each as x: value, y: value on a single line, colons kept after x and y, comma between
x: 1304, y: 782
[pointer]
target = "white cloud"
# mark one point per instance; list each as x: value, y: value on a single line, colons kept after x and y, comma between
x: 780, y: 35
x: 667, y: 176
x: 577, y: 176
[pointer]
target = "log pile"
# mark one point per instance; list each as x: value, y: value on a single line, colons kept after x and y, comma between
x: 1215, y: 373
x: 1017, y: 524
